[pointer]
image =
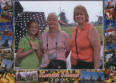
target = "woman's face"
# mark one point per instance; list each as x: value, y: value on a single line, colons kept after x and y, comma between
x: 52, y: 22
x: 80, y: 18
x: 33, y: 28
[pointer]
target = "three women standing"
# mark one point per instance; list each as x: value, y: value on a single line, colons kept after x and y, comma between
x: 55, y: 46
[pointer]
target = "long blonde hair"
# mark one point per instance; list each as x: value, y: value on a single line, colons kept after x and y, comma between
x: 54, y: 14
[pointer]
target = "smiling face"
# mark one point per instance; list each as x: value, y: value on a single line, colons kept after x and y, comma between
x: 52, y: 21
x: 80, y: 15
x: 33, y: 28
x: 80, y: 18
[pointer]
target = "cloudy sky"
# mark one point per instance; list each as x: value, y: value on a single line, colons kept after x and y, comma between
x: 94, y: 8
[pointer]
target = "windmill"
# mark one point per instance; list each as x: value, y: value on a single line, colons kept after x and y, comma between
x: 63, y: 20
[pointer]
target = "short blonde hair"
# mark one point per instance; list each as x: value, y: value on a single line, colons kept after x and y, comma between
x: 80, y: 9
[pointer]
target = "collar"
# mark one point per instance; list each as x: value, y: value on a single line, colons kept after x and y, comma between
x: 84, y: 26
x: 27, y: 36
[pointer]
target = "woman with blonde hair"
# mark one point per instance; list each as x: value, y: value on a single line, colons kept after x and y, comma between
x: 55, y: 45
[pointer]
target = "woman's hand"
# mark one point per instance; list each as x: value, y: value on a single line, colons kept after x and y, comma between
x: 33, y: 45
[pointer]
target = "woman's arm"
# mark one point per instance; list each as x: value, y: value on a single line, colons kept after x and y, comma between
x: 22, y: 45
x: 95, y: 43
x: 39, y: 53
x: 67, y: 53
x: 67, y: 44
x: 36, y: 50
x: 22, y: 54
x: 40, y: 50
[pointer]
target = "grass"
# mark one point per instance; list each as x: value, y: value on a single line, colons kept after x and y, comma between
x: 69, y: 31
x: 100, y: 31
